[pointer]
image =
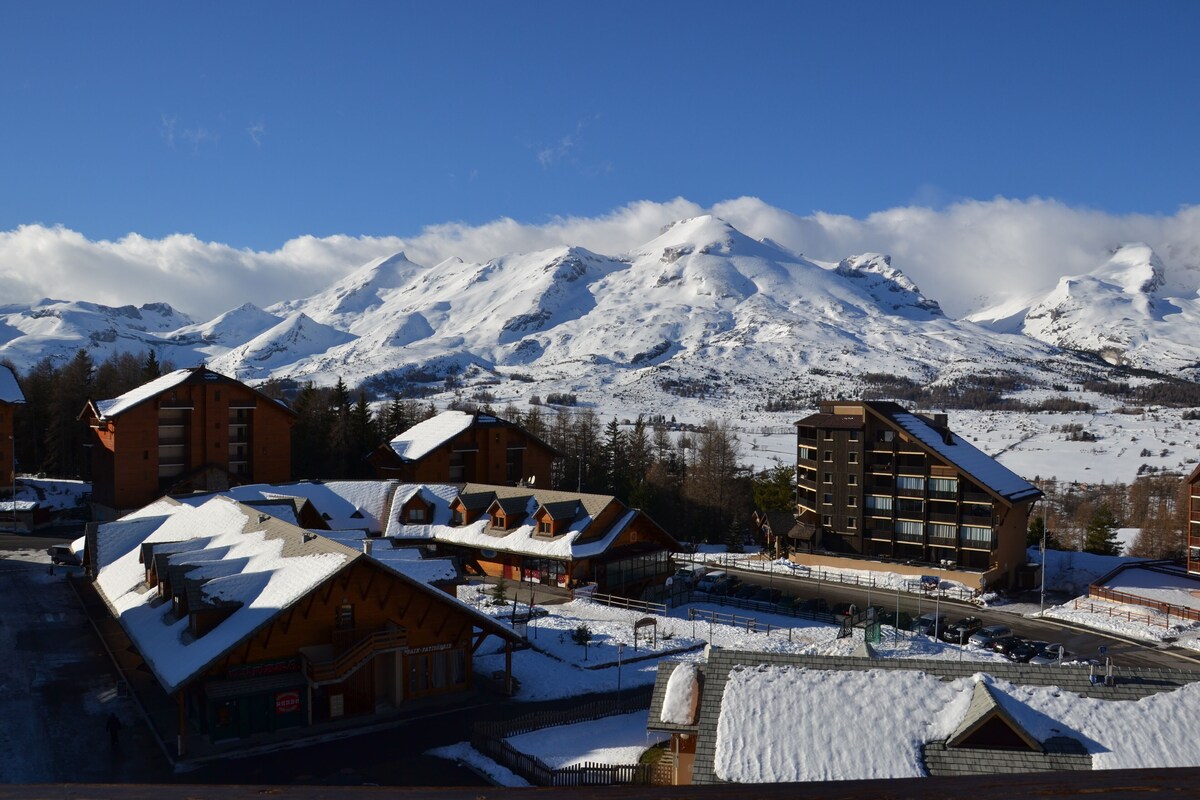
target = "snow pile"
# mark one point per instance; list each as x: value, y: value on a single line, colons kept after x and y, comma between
x: 1072, y: 572
x: 464, y: 753
x: 682, y: 695
x: 610, y: 740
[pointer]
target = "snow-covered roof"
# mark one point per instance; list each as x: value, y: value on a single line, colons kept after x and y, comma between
x: 405, y: 560
x: 258, y: 563
x: 345, y: 505
x: 831, y: 718
x: 439, y: 495
x: 420, y: 439
x: 10, y: 390
x: 979, y: 465
x: 119, y: 405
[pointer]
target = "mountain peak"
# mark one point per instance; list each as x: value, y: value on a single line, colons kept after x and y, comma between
x: 1135, y: 267
x: 889, y: 285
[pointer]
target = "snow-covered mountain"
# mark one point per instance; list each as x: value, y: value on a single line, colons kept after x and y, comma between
x: 701, y: 310
x: 1125, y: 310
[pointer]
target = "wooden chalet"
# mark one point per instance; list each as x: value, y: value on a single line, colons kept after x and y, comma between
x: 189, y: 430
x: 10, y: 396
x: 557, y: 539
x: 457, y: 447
x: 272, y: 626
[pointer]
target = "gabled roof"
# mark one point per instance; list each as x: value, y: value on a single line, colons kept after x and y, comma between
x: 10, y: 390
x: 562, y: 509
x: 108, y: 409
x: 985, y: 707
x: 845, y: 422
x: 989, y: 473
x: 240, y: 558
x: 425, y: 437
x: 513, y: 506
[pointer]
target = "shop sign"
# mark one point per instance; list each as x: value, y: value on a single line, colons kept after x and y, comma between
x: 263, y: 669
x: 287, y: 702
x: 431, y: 648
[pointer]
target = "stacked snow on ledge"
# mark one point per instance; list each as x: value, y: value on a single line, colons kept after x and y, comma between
x: 847, y: 725
x: 423, y: 437
x: 682, y: 695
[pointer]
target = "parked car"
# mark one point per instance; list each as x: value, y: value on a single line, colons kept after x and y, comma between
x: 62, y: 555
x: 710, y: 579
x: 1025, y: 651
x: 690, y: 576
x: 1051, y: 654
x: 746, y: 591
x: 1006, y: 644
x: 726, y: 586
x: 766, y: 595
x: 985, y: 636
x: 962, y: 630
x: 930, y: 624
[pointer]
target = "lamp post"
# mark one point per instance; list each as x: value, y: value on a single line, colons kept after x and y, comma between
x: 1042, y: 601
x: 12, y: 442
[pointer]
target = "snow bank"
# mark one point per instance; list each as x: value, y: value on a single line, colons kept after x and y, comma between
x: 682, y: 696
x: 611, y: 740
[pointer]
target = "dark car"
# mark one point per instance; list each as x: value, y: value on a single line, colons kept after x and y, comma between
x: 960, y: 631
x: 1025, y: 651
x: 930, y: 624
x: 766, y: 595
x: 62, y: 555
x: 726, y: 586
x: 1006, y: 644
x: 746, y: 592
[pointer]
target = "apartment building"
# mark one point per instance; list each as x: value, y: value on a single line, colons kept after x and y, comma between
x: 878, y: 482
x: 189, y: 430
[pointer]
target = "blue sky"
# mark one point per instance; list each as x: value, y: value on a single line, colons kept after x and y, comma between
x: 251, y: 124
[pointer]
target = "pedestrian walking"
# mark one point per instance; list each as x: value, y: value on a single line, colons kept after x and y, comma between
x: 113, y: 726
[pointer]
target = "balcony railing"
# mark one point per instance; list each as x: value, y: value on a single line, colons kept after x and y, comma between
x: 343, y: 666
x: 936, y: 515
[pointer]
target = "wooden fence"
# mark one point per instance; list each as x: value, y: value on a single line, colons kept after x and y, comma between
x: 616, y: 601
x: 1168, y: 610
x: 489, y: 739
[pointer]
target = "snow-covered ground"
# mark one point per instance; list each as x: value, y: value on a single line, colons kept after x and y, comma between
x: 500, y: 775
x: 610, y: 740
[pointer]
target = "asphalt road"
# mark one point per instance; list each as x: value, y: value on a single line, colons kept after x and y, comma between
x: 1081, y: 641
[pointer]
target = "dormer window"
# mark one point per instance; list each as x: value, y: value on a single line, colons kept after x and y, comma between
x: 456, y: 517
x: 546, y: 527
x: 416, y: 516
x: 498, y: 521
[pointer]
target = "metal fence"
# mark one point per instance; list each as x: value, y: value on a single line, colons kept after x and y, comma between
x: 868, y: 580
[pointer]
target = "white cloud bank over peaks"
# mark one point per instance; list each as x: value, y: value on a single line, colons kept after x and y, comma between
x: 967, y: 256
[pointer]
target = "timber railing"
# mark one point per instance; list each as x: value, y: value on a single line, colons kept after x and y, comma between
x: 339, y: 668
x: 624, y: 602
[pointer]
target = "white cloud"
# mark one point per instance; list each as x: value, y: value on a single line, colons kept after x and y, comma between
x: 959, y: 255
x: 256, y: 131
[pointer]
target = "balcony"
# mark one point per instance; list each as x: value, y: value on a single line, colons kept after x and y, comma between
x: 807, y: 483
x: 881, y: 485
x: 321, y: 667
x: 910, y: 492
x: 942, y: 515
x: 976, y: 497
x: 881, y: 462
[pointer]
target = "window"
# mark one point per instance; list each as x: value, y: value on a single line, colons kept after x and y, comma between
x: 877, y: 502
x: 906, y: 507
x: 942, y: 533
x: 545, y: 527
x: 828, y: 436
x: 456, y: 517
x: 808, y: 453
x: 851, y: 523
x: 907, y: 531
x: 498, y: 521
x: 885, y: 436
x: 910, y: 482
x: 852, y: 501
x: 416, y: 516
x: 854, y: 436
x: 827, y: 499
x: 852, y: 458
x: 852, y: 480
x: 945, y: 488
x: 828, y: 477
x: 976, y: 536
x: 827, y: 520
x: 829, y: 455
x: 344, y: 621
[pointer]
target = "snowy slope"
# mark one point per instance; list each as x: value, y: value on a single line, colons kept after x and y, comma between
x: 697, y: 321
x: 1126, y: 311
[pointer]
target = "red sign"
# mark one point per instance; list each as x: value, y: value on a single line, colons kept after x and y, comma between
x: 287, y: 702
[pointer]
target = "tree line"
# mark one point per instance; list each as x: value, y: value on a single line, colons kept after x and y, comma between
x: 691, y: 482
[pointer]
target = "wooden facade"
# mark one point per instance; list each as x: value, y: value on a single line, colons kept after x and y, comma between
x: 200, y: 432
x: 361, y: 640
x: 10, y: 396
x: 867, y: 486
x: 1193, y: 550
x: 489, y: 450
x: 620, y: 550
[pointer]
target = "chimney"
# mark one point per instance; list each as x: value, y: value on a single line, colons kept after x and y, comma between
x: 367, y: 546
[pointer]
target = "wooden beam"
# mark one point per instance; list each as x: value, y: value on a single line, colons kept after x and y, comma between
x: 366, y: 590
x: 479, y: 640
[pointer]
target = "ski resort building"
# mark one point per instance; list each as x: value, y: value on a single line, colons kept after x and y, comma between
x: 877, y: 482
x: 557, y: 539
x: 10, y: 396
x: 189, y: 430
x: 457, y: 447
x: 253, y: 625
